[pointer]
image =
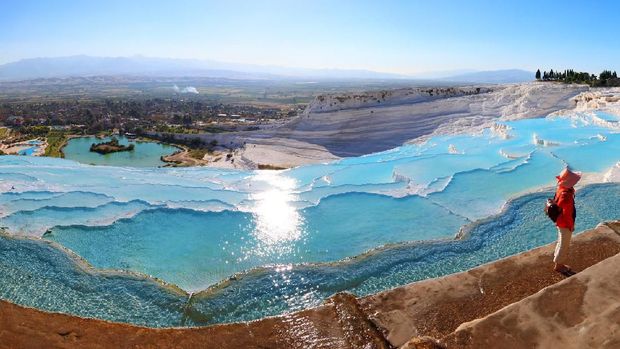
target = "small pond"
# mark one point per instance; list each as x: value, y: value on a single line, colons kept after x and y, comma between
x: 145, y: 154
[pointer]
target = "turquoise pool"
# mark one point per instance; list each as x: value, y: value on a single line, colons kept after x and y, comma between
x: 145, y: 154
x: 198, y: 246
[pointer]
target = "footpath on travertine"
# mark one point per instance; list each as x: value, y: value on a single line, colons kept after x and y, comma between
x: 580, y: 312
x: 390, y: 319
x: 436, y: 307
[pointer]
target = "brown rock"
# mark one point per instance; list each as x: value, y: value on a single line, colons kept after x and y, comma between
x: 422, y: 343
x: 582, y: 311
x: 437, y: 307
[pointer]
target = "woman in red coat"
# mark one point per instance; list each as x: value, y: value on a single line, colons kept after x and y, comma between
x: 565, y: 198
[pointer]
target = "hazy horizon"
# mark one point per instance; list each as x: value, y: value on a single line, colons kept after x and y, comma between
x: 399, y: 37
x: 430, y: 74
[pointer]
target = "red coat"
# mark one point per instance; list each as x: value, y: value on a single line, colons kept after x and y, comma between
x: 565, y: 198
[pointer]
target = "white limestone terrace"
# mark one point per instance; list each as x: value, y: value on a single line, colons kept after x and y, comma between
x: 343, y: 125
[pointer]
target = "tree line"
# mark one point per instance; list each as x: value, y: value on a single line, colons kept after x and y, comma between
x: 569, y: 76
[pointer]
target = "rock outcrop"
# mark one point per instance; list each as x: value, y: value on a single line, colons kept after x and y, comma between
x: 601, y: 99
x: 436, y: 307
x: 580, y: 312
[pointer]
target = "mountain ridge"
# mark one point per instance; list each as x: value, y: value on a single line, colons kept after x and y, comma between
x: 83, y: 65
x: 493, y: 76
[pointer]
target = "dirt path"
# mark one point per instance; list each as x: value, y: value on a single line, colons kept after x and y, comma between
x: 181, y: 157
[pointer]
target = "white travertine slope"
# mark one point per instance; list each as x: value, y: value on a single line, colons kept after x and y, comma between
x: 340, y: 125
x: 347, y: 126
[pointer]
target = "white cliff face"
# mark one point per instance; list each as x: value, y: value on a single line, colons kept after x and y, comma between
x: 342, y: 101
x: 536, y: 99
x: 356, y: 124
x: 339, y: 125
x: 513, y: 101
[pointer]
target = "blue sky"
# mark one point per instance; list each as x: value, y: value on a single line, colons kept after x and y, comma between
x: 391, y: 36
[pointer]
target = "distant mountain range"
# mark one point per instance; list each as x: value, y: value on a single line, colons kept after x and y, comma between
x: 34, y: 68
x: 79, y: 66
x: 493, y: 76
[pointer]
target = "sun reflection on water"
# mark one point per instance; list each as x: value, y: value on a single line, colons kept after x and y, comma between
x: 277, y: 220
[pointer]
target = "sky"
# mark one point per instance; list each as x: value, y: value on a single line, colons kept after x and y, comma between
x: 406, y: 37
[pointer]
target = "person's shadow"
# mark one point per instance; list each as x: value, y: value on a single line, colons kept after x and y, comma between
x: 568, y: 272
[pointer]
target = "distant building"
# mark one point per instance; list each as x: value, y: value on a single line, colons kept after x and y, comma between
x: 15, y: 120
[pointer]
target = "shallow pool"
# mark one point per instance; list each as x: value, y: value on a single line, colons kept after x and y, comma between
x: 247, y: 244
x: 145, y: 154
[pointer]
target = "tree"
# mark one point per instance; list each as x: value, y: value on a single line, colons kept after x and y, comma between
x: 606, y: 74
x: 538, y: 74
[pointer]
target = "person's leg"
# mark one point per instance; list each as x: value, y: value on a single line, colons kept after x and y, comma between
x: 562, y: 248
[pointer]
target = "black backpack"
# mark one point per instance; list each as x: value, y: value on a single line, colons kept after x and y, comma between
x: 553, y: 211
